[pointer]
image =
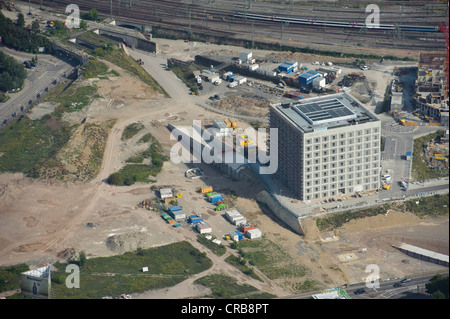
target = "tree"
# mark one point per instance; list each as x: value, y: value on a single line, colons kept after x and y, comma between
x: 438, y: 287
x: 83, y: 24
x: 82, y: 259
x: 35, y: 27
x: 115, y: 179
x: 93, y: 14
x: 20, y: 20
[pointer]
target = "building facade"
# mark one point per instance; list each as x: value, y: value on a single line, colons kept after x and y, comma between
x: 327, y: 146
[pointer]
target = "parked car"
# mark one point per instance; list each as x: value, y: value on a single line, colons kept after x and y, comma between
x: 360, y: 291
x: 405, y: 280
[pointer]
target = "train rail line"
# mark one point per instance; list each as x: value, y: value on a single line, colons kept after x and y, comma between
x: 229, y: 17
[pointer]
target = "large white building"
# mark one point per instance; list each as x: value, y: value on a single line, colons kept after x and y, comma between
x: 327, y: 146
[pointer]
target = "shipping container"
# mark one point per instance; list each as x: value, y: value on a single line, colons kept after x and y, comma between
x: 232, y: 214
x: 215, y: 199
x: 307, y: 77
x: 203, y: 228
x: 226, y: 75
x: 239, y: 221
x: 165, y: 193
x: 244, y: 56
x: 236, y: 235
x: 244, y: 228
x: 253, y: 233
x: 253, y: 67
x: 206, y: 189
x: 194, y: 219
x: 178, y: 215
x: 175, y: 208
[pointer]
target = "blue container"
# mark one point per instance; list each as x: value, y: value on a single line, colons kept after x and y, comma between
x: 175, y: 208
x: 230, y: 78
x: 216, y: 198
x: 307, y: 77
x: 194, y: 219
x: 238, y: 234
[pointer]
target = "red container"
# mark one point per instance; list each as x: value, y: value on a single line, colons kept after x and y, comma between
x: 244, y: 228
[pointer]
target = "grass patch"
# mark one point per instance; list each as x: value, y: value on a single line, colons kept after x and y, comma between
x: 225, y: 287
x: 110, y: 51
x: 185, y: 73
x: 241, y: 264
x: 27, y: 144
x: 270, y: 258
x: 420, y: 171
x: 131, y: 173
x: 219, y: 250
x: 337, y: 220
x: 10, y: 277
x: 71, y: 97
x: 305, y: 286
x: 147, y: 138
x: 131, y: 130
x: 112, y: 276
x: 93, y: 68
x: 433, y: 206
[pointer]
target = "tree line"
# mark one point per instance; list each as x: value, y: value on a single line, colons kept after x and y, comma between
x: 16, y: 36
x: 12, y: 73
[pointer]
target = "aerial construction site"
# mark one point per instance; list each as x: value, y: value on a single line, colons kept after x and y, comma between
x: 225, y: 150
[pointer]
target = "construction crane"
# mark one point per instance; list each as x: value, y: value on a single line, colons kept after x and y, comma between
x: 444, y: 30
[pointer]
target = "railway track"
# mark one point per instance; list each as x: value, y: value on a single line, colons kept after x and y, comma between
x: 338, y: 28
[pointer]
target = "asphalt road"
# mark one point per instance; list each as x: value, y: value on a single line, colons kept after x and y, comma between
x: 40, y: 79
x: 386, y: 289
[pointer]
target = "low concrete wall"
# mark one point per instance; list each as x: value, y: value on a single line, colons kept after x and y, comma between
x: 131, y: 41
x: 293, y: 221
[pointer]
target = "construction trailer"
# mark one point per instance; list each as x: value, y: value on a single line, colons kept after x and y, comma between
x: 245, y: 227
x: 226, y: 75
x: 238, y: 221
x: 165, y: 193
x: 195, y: 219
x: 240, y: 80
x: 175, y: 209
x: 253, y: 233
x: 288, y: 67
x: 203, y: 228
x: 318, y: 83
x: 245, y: 56
x: 215, y: 198
x: 178, y: 215
x: 236, y: 235
x: 231, y: 214
x: 307, y: 77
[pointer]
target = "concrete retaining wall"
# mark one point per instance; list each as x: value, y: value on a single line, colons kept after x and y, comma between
x: 294, y: 222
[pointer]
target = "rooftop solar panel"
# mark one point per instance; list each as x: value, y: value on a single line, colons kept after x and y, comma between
x: 324, y: 111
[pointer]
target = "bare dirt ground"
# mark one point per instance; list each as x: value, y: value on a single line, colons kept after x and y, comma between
x: 40, y: 219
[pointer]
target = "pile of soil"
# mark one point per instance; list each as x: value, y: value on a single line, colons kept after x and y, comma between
x: 247, y: 105
x: 126, y: 242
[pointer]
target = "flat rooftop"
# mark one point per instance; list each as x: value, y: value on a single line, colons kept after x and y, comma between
x: 325, y: 112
